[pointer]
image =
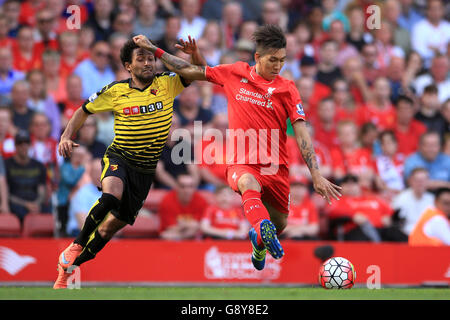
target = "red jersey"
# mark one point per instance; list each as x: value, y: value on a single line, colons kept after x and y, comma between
x: 353, y: 162
x: 408, y: 141
x: 171, y: 210
x: 224, y: 218
x: 383, y: 119
x: 295, y: 156
x: 257, y: 113
x: 373, y: 207
x: 213, y: 155
x: 303, y: 214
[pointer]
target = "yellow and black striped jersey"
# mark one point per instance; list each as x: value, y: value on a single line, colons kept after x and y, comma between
x: 142, y: 118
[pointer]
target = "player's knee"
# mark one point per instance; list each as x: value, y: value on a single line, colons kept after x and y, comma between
x: 106, y: 231
x: 113, y: 186
x: 248, y: 182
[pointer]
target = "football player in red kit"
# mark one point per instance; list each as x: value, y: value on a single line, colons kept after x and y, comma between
x: 259, y: 103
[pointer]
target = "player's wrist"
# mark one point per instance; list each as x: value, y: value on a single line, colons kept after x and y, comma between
x: 158, y: 52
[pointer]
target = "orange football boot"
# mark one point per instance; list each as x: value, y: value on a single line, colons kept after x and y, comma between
x: 68, y: 256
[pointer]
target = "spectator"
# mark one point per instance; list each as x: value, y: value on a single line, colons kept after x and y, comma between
x: 325, y: 125
x: 26, y: 179
x: 247, y: 29
x: 213, y: 153
x: 371, y: 66
x: 368, y: 138
x: 28, y: 11
x: 400, y: 36
x: 431, y: 35
x: 191, y: 23
x: 272, y: 13
x: 4, y: 194
x: 445, y: 111
x: 123, y: 24
x: 244, y: 50
x: 211, y: 42
x: 363, y: 217
x: 414, y: 200
x: 71, y: 172
x: 116, y: 42
x: 7, y: 133
x: 396, y: 75
x: 87, y: 136
x: 345, y: 50
x: 389, y: 165
x: 83, y: 199
x: 352, y: 70
x: 43, y: 148
x: 430, y: 157
x: 180, y: 210
x: 357, y: 36
x: 45, y: 36
x: 100, y: 19
x: 8, y: 75
x: 222, y: 220
x: 170, y: 36
x: 303, y: 219
x: 41, y: 102
x: 96, y: 72
x: 11, y: 9
x: 438, y: 75
x: 314, y: 21
x: 332, y: 13
x: 231, y: 22
x: 385, y: 45
x: 433, y: 227
x: 346, y: 108
x: 379, y: 110
x: 25, y: 55
x: 189, y: 109
x: 105, y: 127
x: 5, y: 39
x: 51, y: 66
x: 86, y: 40
x: 349, y: 157
x: 147, y: 22
x: 21, y: 111
x: 305, y: 85
x: 328, y: 71
x: 408, y: 17
x: 308, y: 68
x: 407, y: 129
x: 73, y: 101
x: 167, y: 170
x: 429, y: 112
x: 70, y: 55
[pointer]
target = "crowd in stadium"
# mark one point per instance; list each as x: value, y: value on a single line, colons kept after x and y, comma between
x: 376, y: 96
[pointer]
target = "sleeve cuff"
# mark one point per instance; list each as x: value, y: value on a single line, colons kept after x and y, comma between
x: 183, y: 82
x: 84, y: 107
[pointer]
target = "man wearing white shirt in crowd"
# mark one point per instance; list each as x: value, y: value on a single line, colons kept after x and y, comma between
x: 414, y: 200
x: 431, y: 34
x: 191, y: 23
x: 440, y: 67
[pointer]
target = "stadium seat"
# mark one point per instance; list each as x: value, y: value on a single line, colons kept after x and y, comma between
x: 9, y: 225
x: 145, y: 226
x: 38, y: 225
x: 154, y: 198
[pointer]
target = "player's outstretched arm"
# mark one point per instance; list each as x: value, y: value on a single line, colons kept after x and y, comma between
x: 322, y: 186
x: 66, y: 144
x: 185, y: 69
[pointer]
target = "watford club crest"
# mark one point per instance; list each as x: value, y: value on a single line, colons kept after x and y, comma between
x: 114, y: 167
x: 153, y: 91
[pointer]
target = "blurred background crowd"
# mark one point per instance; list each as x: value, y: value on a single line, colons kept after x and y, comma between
x: 377, y: 100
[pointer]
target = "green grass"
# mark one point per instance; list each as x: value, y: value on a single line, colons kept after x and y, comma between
x: 221, y: 293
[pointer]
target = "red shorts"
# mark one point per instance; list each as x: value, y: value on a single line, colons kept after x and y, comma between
x: 274, y: 188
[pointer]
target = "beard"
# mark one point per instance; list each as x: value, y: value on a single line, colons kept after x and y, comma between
x: 145, y: 78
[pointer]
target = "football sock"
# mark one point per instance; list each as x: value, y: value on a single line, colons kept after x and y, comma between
x: 98, y: 212
x: 95, y: 244
x: 254, y: 211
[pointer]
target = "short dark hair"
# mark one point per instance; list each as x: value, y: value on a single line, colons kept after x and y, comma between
x: 126, y: 52
x: 387, y: 133
x: 269, y: 37
x: 404, y: 98
x: 431, y: 89
x: 440, y: 191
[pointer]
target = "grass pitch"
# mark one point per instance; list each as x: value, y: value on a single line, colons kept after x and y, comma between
x: 221, y: 293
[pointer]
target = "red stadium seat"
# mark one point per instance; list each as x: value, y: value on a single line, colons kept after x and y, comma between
x: 154, y: 198
x: 9, y: 225
x: 38, y: 225
x: 144, y: 227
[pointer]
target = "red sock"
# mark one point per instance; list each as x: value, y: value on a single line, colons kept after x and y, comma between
x: 254, y: 211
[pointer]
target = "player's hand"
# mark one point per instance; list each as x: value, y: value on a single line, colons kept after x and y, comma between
x: 188, y: 47
x: 143, y: 42
x: 65, y: 147
x: 326, y: 189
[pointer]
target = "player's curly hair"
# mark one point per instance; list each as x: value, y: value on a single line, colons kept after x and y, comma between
x: 126, y: 52
x: 268, y: 38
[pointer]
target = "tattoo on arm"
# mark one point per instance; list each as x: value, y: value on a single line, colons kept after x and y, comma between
x: 309, y: 155
x: 175, y: 62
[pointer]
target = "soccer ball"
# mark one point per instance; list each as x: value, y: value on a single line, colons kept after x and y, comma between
x: 337, y: 273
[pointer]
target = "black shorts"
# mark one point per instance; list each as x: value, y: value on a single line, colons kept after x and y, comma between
x: 136, y: 186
